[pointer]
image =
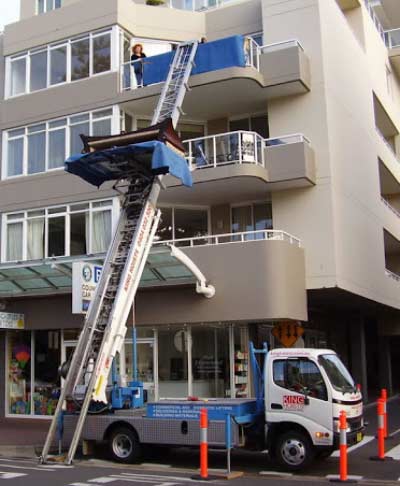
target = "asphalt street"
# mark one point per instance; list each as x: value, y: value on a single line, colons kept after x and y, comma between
x: 161, y: 467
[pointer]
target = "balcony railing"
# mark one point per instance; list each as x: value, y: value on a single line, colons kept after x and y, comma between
x: 240, y: 147
x: 392, y: 275
x: 230, y: 238
x: 198, y: 5
x: 375, y: 19
x: 388, y: 205
x: 131, y: 72
x: 392, y: 38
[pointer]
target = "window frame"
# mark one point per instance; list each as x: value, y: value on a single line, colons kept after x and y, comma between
x: 111, y: 31
x: 45, y: 9
x: 251, y: 204
x: 114, y: 118
x: 206, y: 209
x: 51, y: 212
x: 285, y: 372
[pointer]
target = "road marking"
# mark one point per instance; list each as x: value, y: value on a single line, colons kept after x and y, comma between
x: 365, y: 441
x: 141, y: 480
x: 8, y: 475
x: 83, y: 484
x: 395, y: 453
x: 155, y: 477
x: 352, y: 478
x: 12, y: 466
x: 275, y: 473
x: 102, y: 480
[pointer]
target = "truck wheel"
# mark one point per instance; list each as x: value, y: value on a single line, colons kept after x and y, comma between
x: 294, y: 451
x: 123, y: 445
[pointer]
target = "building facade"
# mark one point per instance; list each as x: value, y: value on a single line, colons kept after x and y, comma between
x: 294, y: 212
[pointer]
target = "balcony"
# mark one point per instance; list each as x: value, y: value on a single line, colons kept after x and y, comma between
x: 275, y: 70
x: 274, y: 260
x: 348, y: 4
x: 392, y: 39
x: 244, y: 164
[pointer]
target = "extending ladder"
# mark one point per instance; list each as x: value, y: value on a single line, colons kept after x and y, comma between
x: 104, y: 327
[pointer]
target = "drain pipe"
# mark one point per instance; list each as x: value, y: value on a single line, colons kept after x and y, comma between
x: 201, y: 285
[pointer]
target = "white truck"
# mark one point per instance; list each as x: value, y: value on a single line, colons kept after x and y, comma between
x: 299, y: 394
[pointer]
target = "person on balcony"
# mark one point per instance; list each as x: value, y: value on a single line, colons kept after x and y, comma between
x: 137, y: 62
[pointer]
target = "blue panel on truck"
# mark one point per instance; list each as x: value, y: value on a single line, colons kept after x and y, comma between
x: 243, y: 410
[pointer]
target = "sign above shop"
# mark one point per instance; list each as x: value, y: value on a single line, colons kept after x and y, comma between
x: 85, y: 277
x: 288, y: 332
x: 9, y: 320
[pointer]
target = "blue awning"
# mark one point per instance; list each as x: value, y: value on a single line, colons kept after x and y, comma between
x: 113, y: 164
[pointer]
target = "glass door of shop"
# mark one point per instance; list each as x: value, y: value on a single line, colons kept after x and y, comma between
x: 146, y: 364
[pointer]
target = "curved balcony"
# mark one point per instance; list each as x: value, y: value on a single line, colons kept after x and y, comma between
x: 244, y: 164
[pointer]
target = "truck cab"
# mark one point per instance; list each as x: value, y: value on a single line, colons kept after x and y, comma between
x: 305, y: 390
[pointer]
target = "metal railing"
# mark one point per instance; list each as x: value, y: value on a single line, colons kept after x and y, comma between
x: 131, y: 75
x: 388, y: 205
x: 229, y: 238
x: 392, y: 275
x: 392, y: 38
x: 287, y: 139
x: 375, y: 19
x: 276, y: 46
x: 239, y: 147
x: 198, y: 5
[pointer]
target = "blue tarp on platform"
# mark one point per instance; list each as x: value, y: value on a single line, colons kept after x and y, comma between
x: 210, y: 56
x: 99, y: 167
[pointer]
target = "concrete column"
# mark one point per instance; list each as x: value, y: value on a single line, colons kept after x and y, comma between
x: 358, y: 356
x: 385, y: 365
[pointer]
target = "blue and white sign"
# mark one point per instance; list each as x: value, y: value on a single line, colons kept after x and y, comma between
x: 85, y: 277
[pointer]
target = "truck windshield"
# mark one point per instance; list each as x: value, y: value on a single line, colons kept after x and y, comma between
x: 337, y: 373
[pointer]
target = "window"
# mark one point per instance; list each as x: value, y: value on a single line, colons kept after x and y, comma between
x: 255, y: 123
x: 252, y: 217
x: 42, y: 147
x: 300, y: 376
x: 33, y: 384
x: 179, y: 223
x: 44, y: 6
x: 75, y: 229
x: 63, y: 62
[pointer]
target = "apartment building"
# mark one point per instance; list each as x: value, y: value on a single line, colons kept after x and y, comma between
x: 293, y: 215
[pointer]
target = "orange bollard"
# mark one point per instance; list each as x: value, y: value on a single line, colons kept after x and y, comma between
x: 381, y: 433
x: 385, y: 419
x: 343, y: 446
x: 343, y: 466
x: 203, y: 443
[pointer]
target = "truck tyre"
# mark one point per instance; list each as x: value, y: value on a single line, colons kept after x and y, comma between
x: 293, y: 451
x: 124, y: 445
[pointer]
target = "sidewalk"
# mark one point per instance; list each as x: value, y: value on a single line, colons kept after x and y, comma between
x: 22, y: 437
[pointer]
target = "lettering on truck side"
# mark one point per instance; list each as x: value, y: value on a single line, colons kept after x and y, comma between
x: 293, y: 402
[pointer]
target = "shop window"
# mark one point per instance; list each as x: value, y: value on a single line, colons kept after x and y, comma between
x: 252, y: 218
x: 19, y: 353
x: 210, y: 362
x: 46, y: 362
x: 241, y: 362
x: 173, y: 363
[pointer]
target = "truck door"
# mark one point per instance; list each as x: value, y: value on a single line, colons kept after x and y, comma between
x: 298, y: 393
